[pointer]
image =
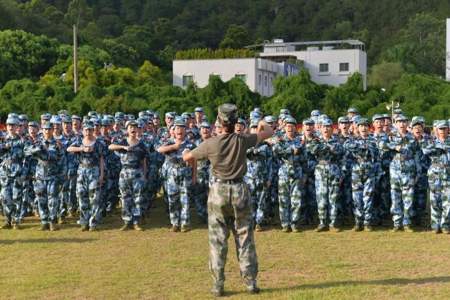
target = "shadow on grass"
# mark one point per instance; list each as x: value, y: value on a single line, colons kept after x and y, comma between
x: 46, y: 241
x: 389, y: 281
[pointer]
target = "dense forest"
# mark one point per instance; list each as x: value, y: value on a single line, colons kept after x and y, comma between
x: 126, y: 49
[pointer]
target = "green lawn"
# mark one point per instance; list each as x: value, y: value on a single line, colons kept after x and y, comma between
x: 158, y: 264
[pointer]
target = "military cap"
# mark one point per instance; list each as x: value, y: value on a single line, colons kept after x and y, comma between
x: 290, y: 120
x: 217, y: 124
x: 131, y: 123
x: 362, y: 121
x: 131, y: 117
x: 401, y: 118
x: 205, y: 124
x: 119, y: 115
x: 284, y: 111
x: 33, y: 124
x: 315, y: 113
x: 254, y: 123
x: 105, y: 122
x: 326, y: 122
x: 62, y: 112
x: 308, y: 121
x: 355, y: 119
x: 198, y: 109
x: 66, y: 119
x: 179, y: 121
x: 241, y: 121
x: 23, y: 118
x: 11, y: 120
x: 75, y: 117
x: 47, y: 125
x: 87, y: 124
x: 255, y: 115
x: 377, y: 117
x: 92, y: 113
x: 352, y: 110
x: 343, y: 120
x: 186, y: 115
x: 270, y: 119
x: 258, y: 110
x: 398, y: 111
x: 169, y: 115
x: 386, y: 116
x: 140, y: 123
x: 46, y: 117
x: 228, y: 113
x: 440, y: 124
x: 55, y: 120
x: 417, y: 120
x: 155, y: 115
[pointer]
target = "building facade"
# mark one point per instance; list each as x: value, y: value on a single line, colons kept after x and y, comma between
x: 257, y: 73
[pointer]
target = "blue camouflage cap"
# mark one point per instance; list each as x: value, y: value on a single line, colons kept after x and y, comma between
x: 75, y: 117
x: 352, y: 110
x: 401, y: 118
x: 198, y: 109
x: 88, y: 124
x: 170, y: 115
x: 315, y: 113
x: 362, y: 121
x: 377, y: 117
x: 11, y: 120
x: 417, y: 120
x: 398, y: 111
x: 67, y: 119
x: 255, y: 115
x: 33, y: 124
x: 343, y: 120
x: 254, y: 123
x: 270, y: 119
x: 308, y: 121
x: 284, y: 111
x: 179, y: 121
x: 326, y: 122
x: 355, y: 119
x: 131, y: 123
x: 290, y: 120
x: 241, y: 121
x: 205, y: 124
x: 46, y: 117
x: 441, y: 124
x: 55, y: 120
x: 47, y: 125
x: 23, y: 118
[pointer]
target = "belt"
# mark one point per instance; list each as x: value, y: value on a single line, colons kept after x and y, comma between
x: 231, y: 181
x: 88, y: 165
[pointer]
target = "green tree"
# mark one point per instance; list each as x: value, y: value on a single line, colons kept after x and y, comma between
x: 236, y: 37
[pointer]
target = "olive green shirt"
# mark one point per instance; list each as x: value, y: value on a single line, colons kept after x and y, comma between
x: 227, y: 154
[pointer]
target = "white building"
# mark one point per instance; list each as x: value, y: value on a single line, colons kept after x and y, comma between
x: 447, y: 52
x: 257, y: 73
x: 328, y: 62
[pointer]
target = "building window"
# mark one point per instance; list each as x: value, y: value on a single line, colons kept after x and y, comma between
x: 265, y: 80
x: 259, y: 80
x: 187, y: 79
x: 323, y: 68
x: 242, y: 77
x: 344, y: 67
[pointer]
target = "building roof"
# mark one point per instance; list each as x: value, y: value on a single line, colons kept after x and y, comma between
x: 278, y: 43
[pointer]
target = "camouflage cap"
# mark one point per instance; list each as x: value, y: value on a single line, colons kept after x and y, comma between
x: 56, y: 120
x: 398, y: 111
x: 352, y: 110
x: 169, y: 115
x: 33, y: 124
x: 46, y: 117
x: 47, y: 125
x: 363, y: 121
x: 179, y: 121
x: 228, y: 113
x: 198, y: 109
x: 67, y: 119
x: 355, y: 119
x: 88, y: 125
x: 343, y: 120
x: 254, y: 123
x: 308, y: 121
x: 377, y: 117
x: 241, y: 121
x: 417, y: 120
x: 386, y: 116
x: 326, y: 122
x: 270, y: 119
x: 401, y: 118
x: 441, y: 124
x: 284, y: 111
x: 255, y: 115
x: 290, y: 120
x: 75, y: 117
x: 12, y: 120
x: 131, y: 123
x: 205, y: 124
x: 315, y: 113
x: 23, y: 118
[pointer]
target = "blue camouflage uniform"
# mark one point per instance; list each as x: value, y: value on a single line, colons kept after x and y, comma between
x: 11, y: 175
x: 291, y: 153
x: 439, y: 181
x: 329, y: 154
x: 364, y: 174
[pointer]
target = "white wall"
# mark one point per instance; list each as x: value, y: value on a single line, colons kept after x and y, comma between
x: 227, y: 69
x: 356, y: 59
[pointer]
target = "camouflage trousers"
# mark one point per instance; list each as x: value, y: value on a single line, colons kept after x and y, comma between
x: 382, y: 196
x: 48, y: 198
x: 327, y: 180
x: 229, y: 209
x: 258, y: 198
x: 439, y: 183
x: 28, y: 198
x: 131, y: 185
x: 420, y: 198
x: 88, y: 193
x: 112, y: 189
x: 200, y: 196
x: 363, y: 185
x: 290, y: 200
x: 402, y: 196
x: 11, y: 194
x: 309, y: 206
x: 346, y: 201
x: 69, y: 189
x: 177, y: 189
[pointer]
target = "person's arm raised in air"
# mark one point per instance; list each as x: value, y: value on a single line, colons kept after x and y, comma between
x: 265, y: 131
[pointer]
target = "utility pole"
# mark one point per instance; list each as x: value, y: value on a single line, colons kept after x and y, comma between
x: 75, y: 59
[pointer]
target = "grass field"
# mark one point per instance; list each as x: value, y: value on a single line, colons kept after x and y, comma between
x: 158, y: 264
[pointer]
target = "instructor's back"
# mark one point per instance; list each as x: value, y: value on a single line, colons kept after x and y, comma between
x: 229, y: 205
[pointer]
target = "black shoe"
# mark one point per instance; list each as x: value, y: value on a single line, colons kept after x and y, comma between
x: 321, y: 228
x: 84, y: 227
x: 44, y: 227
x: 6, y: 225
x: 253, y: 288
x: 217, y: 291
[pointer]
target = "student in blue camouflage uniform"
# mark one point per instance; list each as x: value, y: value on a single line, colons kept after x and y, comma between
x: 438, y: 150
x: 382, y: 193
x: 30, y: 170
x: 90, y: 176
x: 134, y: 157
x: 290, y: 152
x: 364, y: 170
x: 329, y: 154
x: 201, y: 187
x: 11, y: 173
x: 69, y: 188
x: 258, y: 177
x: 403, y: 174
x: 346, y: 201
x: 179, y: 177
x: 49, y: 154
x: 309, y: 211
x: 272, y: 193
x: 421, y: 187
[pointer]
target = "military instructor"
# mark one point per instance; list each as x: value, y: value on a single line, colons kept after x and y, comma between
x: 229, y: 206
